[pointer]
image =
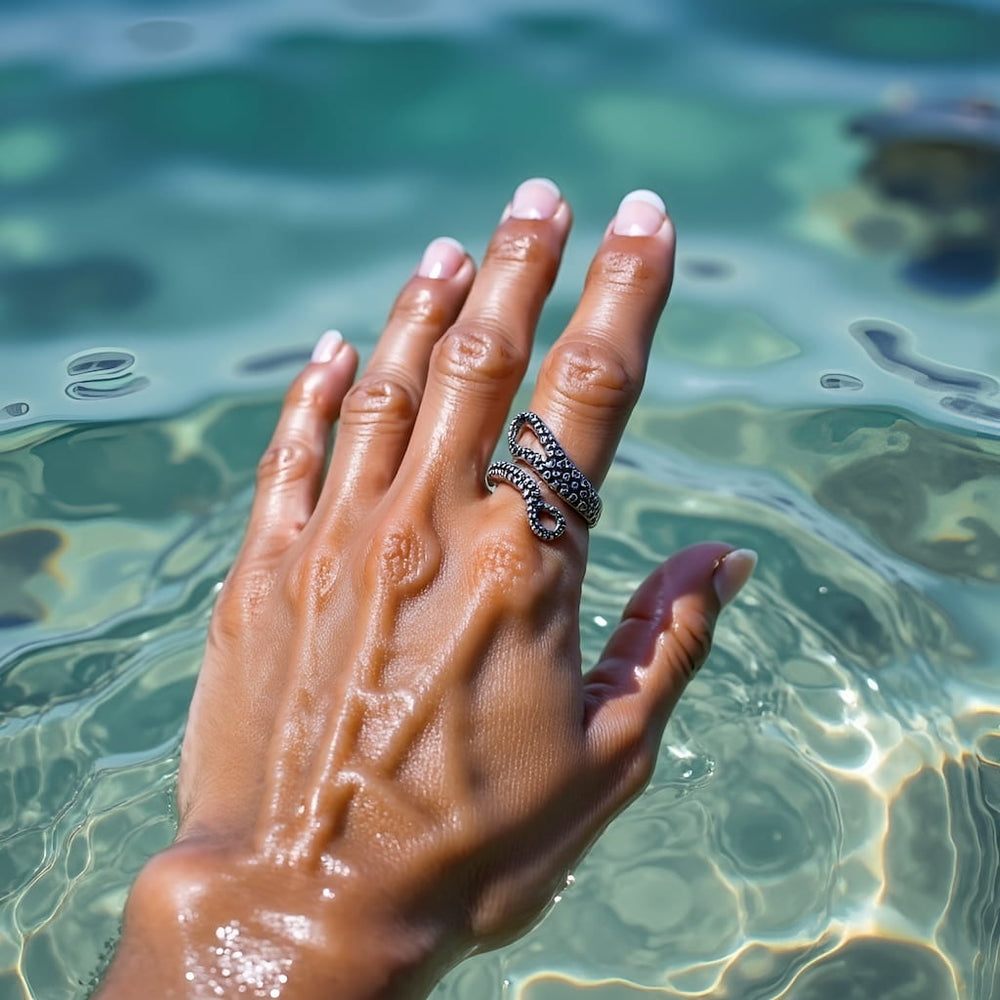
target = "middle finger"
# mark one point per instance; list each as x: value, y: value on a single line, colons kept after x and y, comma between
x: 477, y: 366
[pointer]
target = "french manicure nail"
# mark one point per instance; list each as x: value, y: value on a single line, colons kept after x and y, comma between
x: 442, y: 258
x: 537, y: 198
x: 327, y: 347
x: 732, y: 574
x: 641, y: 213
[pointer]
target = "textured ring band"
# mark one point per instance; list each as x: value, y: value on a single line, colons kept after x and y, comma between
x: 556, y: 469
x: 532, y: 493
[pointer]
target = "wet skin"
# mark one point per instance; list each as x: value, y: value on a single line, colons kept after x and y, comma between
x: 393, y: 756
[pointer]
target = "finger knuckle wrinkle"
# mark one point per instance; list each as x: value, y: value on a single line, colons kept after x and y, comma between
x: 591, y: 374
x: 311, y: 579
x: 378, y: 396
x: 477, y: 352
x: 402, y: 557
x: 624, y: 271
x: 241, y: 599
x: 286, y: 461
x: 304, y: 394
x: 501, y: 566
x: 519, y: 249
x: 419, y: 306
x: 693, y: 643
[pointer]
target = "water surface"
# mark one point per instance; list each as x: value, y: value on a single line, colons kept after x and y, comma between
x: 186, y: 202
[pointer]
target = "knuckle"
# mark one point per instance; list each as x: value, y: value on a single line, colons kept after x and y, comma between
x: 418, y: 305
x: 306, y: 393
x: 504, y: 569
x: 310, y: 579
x: 286, y: 461
x: 243, y: 595
x: 520, y: 248
x: 625, y: 272
x: 478, y: 352
x: 376, y: 397
x: 592, y: 374
x: 402, y: 556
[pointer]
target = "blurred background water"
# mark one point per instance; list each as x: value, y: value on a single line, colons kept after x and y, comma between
x: 191, y: 193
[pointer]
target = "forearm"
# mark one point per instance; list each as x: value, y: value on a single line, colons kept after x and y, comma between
x: 195, y: 927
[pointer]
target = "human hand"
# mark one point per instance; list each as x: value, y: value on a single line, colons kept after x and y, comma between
x: 393, y: 756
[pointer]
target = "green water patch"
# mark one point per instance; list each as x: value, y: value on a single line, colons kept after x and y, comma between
x: 885, y: 31
x: 927, y: 494
x: 25, y: 554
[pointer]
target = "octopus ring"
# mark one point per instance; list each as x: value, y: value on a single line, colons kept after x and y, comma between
x: 532, y: 493
x: 555, y: 468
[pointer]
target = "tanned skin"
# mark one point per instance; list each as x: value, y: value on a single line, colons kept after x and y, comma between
x: 393, y: 755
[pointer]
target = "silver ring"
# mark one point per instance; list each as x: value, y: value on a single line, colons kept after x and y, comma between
x: 556, y: 469
x: 532, y: 493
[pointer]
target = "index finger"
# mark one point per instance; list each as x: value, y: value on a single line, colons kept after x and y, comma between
x: 592, y: 375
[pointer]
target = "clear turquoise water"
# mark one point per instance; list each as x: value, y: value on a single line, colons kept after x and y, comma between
x: 186, y: 201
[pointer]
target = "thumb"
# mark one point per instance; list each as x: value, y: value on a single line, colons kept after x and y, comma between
x: 663, y: 638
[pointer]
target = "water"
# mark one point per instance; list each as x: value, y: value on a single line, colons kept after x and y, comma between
x: 186, y: 202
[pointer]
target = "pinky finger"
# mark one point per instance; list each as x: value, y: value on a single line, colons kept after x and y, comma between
x: 290, y: 472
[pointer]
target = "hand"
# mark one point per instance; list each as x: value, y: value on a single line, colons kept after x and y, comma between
x: 393, y: 756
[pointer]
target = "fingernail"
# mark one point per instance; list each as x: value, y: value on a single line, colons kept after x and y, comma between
x: 327, y: 346
x: 442, y: 258
x: 732, y: 574
x: 641, y: 213
x: 537, y: 198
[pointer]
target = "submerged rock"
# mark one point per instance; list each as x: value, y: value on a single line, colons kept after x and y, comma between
x: 968, y: 122
x: 941, y: 160
x: 24, y: 554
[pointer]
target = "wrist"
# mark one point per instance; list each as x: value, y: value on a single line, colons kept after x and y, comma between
x: 205, y: 922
